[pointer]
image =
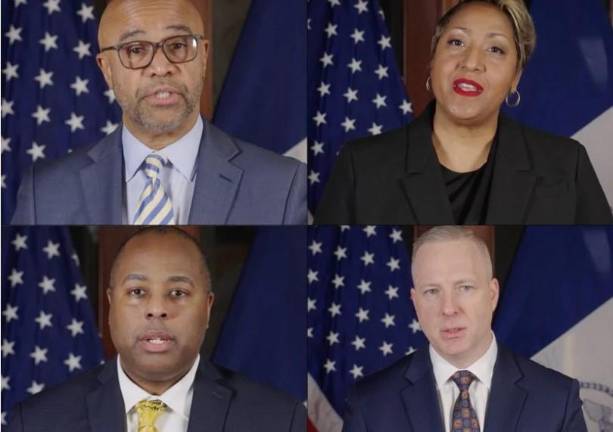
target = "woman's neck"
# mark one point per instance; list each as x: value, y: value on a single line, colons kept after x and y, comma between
x: 462, y: 147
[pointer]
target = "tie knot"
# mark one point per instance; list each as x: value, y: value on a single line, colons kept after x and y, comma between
x: 463, y: 379
x: 148, y: 412
x: 152, y: 165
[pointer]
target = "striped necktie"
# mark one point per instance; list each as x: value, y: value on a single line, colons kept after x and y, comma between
x: 154, y: 206
x: 464, y: 416
x: 148, y: 412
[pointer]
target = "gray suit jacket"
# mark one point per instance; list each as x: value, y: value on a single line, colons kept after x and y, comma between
x: 237, y: 183
x: 222, y: 401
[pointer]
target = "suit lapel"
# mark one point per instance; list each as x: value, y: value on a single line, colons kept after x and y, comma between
x: 423, y: 183
x: 218, y: 179
x: 211, y: 400
x: 419, y: 398
x: 105, y: 407
x: 102, y: 181
x: 513, y: 179
x: 506, y: 399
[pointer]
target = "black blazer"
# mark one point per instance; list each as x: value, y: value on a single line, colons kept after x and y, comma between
x: 222, y: 401
x: 524, y: 396
x: 395, y: 178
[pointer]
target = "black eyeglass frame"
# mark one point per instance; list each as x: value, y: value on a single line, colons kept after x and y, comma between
x: 196, y: 39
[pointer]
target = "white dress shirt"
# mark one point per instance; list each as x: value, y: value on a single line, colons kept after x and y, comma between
x: 178, y: 175
x: 178, y: 398
x: 479, y: 389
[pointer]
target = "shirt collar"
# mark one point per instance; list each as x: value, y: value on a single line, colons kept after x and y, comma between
x: 482, y: 368
x: 182, y: 153
x: 175, y: 397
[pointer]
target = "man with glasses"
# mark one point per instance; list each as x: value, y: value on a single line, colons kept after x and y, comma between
x: 165, y: 164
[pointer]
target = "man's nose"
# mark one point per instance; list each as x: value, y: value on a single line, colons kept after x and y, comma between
x: 156, y: 307
x: 449, y: 304
x: 160, y: 65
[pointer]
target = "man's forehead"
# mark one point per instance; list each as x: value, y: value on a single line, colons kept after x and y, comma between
x: 448, y: 254
x: 125, y: 18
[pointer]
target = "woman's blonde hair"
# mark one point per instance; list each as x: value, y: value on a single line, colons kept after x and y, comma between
x: 524, y: 33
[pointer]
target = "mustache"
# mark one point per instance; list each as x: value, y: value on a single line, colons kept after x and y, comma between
x: 156, y: 331
x: 178, y: 88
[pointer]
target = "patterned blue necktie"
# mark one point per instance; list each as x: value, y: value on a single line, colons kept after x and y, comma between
x: 464, y: 418
x: 154, y: 206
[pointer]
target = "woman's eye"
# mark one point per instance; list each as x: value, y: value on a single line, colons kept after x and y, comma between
x: 497, y: 50
x: 455, y: 42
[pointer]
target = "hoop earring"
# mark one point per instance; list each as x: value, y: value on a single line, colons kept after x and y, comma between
x: 517, y: 101
x: 428, y: 83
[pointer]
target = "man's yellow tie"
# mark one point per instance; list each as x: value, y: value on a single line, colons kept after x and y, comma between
x: 148, y: 412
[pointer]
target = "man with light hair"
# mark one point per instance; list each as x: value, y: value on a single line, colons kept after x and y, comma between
x: 464, y: 381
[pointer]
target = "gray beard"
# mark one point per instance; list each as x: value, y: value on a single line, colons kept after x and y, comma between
x: 144, y: 120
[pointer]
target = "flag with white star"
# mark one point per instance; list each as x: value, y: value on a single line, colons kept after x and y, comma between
x: 354, y: 86
x: 54, y: 98
x: 359, y: 315
x: 48, y: 330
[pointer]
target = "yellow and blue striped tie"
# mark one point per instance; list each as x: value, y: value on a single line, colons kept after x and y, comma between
x: 154, y: 206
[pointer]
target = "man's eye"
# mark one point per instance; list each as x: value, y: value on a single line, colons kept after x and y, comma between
x: 177, y: 293
x: 431, y: 292
x: 136, y: 292
x: 135, y: 49
x: 466, y: 287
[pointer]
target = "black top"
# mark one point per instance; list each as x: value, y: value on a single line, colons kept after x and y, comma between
x: 467, y: 204
x: 468, y: 192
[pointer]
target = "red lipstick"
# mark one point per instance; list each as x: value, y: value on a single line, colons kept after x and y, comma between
x: 466, y: 87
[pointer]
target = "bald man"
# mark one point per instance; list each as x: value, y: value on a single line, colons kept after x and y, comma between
x: 160, y: 298
x: 165, y: 164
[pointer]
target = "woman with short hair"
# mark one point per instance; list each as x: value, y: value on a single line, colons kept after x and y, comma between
x: 462, y: 161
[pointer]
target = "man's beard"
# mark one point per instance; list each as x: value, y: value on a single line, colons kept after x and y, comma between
x: 143, y: 116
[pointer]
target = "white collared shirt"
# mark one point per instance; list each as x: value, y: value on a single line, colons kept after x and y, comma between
x: 479, y: 389
x: 178, y: 175
x: 178, y: 398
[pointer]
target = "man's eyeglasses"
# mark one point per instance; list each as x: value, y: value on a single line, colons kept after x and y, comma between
x: 139, y: 54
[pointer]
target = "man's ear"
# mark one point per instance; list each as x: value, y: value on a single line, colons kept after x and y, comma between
x: 205, y: 57
x: 494, y: 287
x: 105, y: 68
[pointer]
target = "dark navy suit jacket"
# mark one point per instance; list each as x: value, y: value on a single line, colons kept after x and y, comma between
x: 524, y: 397
x: 222, y: 401
x: 237, y: 183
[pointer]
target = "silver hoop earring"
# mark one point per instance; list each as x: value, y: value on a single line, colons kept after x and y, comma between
x: 428, y: 83
x: 517, y: 101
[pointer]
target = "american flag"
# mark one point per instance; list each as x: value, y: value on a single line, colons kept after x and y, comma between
x: 355, y: 89
x: 54, y: 98
x: 359, y: 315
x: 48, y: 331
